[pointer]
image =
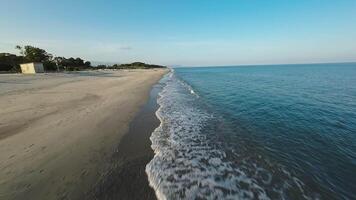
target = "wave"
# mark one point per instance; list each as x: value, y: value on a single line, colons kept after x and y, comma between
x: 189, y: 163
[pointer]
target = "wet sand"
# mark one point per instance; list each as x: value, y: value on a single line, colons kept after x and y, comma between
x: 62, y: 134
x: 126, y: 178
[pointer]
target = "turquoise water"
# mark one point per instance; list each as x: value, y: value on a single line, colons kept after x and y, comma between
x: 265, y: 132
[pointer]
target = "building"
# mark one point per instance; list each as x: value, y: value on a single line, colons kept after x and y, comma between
x: 32, y: 68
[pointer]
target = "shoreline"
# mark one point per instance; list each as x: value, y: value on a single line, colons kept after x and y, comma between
x: 60, y: 130
x: 127, y: 178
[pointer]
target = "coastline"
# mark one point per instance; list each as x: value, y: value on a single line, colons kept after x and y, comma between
x: 57, y: 139
x: 126, y: 177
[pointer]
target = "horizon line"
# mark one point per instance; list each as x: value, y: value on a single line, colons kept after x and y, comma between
x: 247, y: 65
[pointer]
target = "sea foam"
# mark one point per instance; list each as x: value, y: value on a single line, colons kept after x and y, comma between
x: 187, y: 165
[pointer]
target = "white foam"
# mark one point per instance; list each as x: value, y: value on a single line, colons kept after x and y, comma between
x: 186, y: 165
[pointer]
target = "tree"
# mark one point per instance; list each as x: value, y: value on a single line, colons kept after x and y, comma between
x: 61, y: 62
x: 78, y: 62
x: 10, y: 62
x: 139, y: 65
x: 87, y: 64
x: 34, y: 54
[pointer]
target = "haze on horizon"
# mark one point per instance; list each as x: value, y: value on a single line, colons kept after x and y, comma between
x: 184, y: 32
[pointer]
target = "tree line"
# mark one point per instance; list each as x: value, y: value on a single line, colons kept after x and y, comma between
x: 134, y: 65
x: 11, y: 62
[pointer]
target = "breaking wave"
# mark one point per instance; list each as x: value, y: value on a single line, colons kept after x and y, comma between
x: 192, y: 162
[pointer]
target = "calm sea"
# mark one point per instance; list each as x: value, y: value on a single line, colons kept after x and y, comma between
x: 256, y: 132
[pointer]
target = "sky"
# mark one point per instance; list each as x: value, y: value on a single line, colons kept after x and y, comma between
x: 187, y: 33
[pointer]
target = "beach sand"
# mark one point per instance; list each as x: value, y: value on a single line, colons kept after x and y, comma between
x: 62, y: 136
x: 126, y: 177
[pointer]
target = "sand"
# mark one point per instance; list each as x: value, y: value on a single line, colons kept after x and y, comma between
x: 58, y: 132
x: 125, y: 177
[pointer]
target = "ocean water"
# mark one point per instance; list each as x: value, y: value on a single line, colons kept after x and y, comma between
x: 256, y: 132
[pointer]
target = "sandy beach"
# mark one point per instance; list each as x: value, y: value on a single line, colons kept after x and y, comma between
x: 60, y: 132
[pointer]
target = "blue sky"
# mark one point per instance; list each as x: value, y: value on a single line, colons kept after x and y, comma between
x: 195, y: 32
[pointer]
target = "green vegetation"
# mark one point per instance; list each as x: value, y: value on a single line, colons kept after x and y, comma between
x: 34, y: 54
x: 135, y: 65
x: 71, y: 64
x: 11, y: 62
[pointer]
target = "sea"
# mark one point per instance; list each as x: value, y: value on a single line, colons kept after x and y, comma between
x: 256, y: 132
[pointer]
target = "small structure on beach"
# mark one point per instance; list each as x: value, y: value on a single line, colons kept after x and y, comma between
x: 32, y: 68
